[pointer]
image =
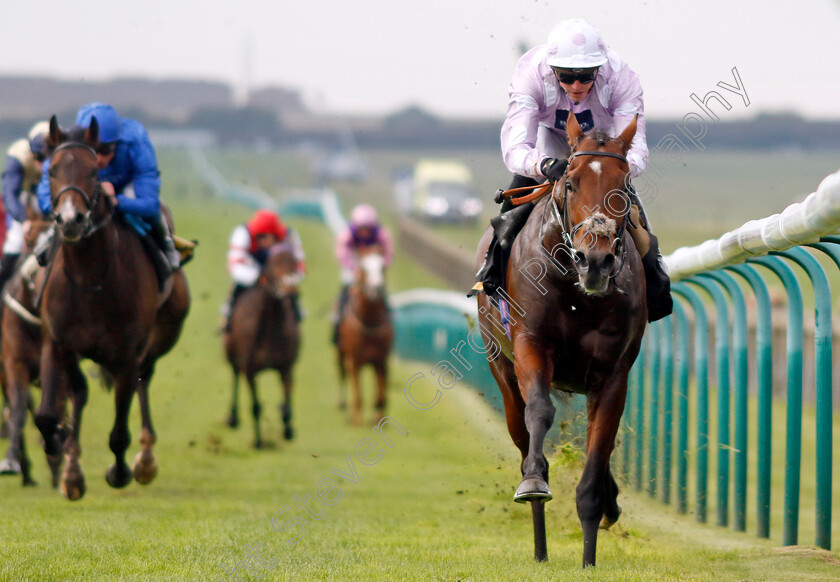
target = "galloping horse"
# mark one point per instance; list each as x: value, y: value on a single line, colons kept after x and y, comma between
x: 264, y: 334
x: 574, y: 317
x: 365, y: 333
x: 21, y: 348
x: 100, y: 301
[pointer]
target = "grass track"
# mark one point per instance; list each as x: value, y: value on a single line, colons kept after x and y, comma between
x: 437, y: 506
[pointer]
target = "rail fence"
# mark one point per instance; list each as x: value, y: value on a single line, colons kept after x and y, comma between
x: 718, y: 287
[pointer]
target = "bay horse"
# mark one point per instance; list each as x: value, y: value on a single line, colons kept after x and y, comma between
x: 264, y: 334
x: 21, y: 358
x: 365, y: 333
x: 100, y: 301
x: 573, y: 314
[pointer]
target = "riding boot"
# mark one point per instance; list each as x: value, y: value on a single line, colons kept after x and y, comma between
x: 161, y: 264
x: 506, y: 225
x: 295, y: 300
x: 659, y: 301
x: 227, y: 309
x: 163, y: 239
x: 46, y: 247
x: 342, y: 302
x: 7, y: 268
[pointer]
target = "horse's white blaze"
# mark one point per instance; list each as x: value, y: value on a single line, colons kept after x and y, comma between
x: 596, y: 166
x: 373, y: 265
x: 67, y: 211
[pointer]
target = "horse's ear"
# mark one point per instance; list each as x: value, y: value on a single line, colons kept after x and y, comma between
x: 573, y: 129
x: 56, y: 135
x: 92, y: 133
x: 626, y: 137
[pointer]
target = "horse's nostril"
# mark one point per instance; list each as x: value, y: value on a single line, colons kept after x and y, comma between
x: 80, y: 218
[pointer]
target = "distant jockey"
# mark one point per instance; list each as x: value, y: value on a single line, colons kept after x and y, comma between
x: 24, y: 160
x: 364, y: 230
x: 248, y: 252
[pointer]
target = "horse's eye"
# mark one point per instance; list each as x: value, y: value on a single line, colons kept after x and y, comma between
x: 94, y: 175
x: 569, y: 186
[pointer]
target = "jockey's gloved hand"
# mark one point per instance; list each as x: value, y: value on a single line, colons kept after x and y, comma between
x: 553, y: 168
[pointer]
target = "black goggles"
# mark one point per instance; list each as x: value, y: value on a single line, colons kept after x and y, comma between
x: 569, y: 76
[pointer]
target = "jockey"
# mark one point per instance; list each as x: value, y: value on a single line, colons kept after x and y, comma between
x: 363, y: 231
x: 128, y: 171
x: 574, y: 71
x: 248, y: 253
x: 21, y: 176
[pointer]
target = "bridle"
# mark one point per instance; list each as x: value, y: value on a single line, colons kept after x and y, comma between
x: 561, y: 214
x: 91, y: 201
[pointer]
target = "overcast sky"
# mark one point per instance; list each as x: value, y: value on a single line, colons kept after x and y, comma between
x: 451, y: 57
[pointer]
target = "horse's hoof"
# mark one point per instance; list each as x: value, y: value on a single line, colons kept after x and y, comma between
x: 145, y: 468
x: 73, y: 488
x: 30, y: 482
x: 288, y: 433
x: 118, y: 477
x: 532, y: 489
x: 232, y: 421
x: 8, y: 467
x: 342, y: 405
x: 258, y: 444
x: 607, y: 522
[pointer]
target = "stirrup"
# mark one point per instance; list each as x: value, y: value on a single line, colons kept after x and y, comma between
x: 185, y: 248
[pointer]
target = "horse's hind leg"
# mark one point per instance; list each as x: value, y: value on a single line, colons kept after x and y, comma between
x: 145, y: 467
x: 356, y: 392
x: 119, y: 474
x: 233, y: 417
x: 18, y: 398
x: 596, y: 490
x: 612, y: 510
x: 342, y: 382
x: 256, y: 409
x: 72, y: 478
x: 286, y: 407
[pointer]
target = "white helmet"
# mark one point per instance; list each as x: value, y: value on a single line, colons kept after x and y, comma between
x: 575, y: 44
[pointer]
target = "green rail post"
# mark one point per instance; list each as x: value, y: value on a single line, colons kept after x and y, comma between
x: 741, y: 370
x: 793, y: 440
x: 653, y: 432
x: 822, y: 356
x: 683, y: 345
x: 701, y: 367
x: 640, y: 417
x: 667, y: 342
x: 722, y: 345
x: 764, y: 380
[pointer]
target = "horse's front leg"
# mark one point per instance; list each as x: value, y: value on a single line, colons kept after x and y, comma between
x: 119, y: 474
x: 381, y: 390
x: 353, y: 372
x: 145, y: 467
x: 72, y: 478
x: 533, y: 369
x: 597, y: 490
x: 50, y: 410
x: 286, y: 407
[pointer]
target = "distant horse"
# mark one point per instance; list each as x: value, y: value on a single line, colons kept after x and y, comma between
x: 574, y: 318
x: 100, y: 301
x: 264, y: 334
x: 365, y: 333
x: 21, y: 357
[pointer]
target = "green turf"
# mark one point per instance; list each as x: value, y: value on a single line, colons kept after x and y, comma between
x: 436, y: 506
